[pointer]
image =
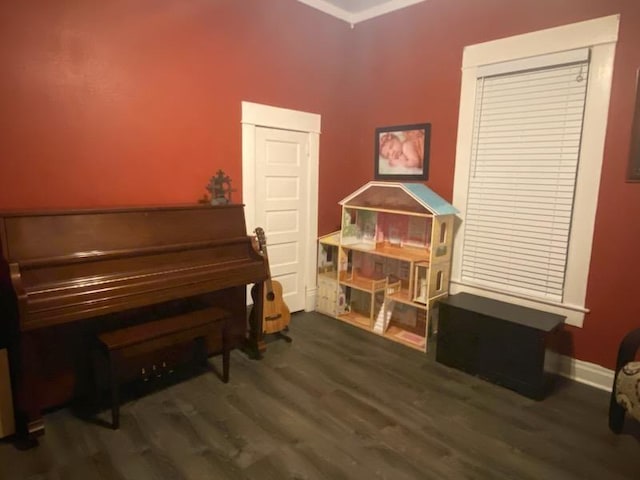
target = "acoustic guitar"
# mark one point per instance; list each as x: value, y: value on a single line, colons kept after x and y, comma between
x: 275, y: 313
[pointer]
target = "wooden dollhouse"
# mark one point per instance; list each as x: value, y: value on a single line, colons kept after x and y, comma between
x: 390, y: 262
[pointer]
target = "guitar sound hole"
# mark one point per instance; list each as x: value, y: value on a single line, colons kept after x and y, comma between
x: 271, y: 296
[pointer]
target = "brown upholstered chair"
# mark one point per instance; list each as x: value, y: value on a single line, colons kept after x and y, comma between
x: 625, y: 395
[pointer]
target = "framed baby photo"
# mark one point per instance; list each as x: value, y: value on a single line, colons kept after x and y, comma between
x: 402, y: 152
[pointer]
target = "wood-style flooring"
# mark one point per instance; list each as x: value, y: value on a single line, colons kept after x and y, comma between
x: 337, y: 403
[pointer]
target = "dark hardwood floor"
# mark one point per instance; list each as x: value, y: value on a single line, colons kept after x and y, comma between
x: 337, y: 403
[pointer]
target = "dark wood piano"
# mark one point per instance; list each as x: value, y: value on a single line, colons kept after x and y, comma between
x: 67, y: 276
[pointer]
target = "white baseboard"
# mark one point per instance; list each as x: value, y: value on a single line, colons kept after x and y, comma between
x: 581, y: 371
x: 577, y: 370
x: 310, y: 300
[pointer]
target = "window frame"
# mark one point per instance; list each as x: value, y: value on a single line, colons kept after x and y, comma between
x: 600, y: 35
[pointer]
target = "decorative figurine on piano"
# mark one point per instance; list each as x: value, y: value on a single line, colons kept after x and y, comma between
x: 220, y: 189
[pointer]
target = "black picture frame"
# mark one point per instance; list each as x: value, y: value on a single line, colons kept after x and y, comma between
x: 402, y: 152
x: 633, y: 171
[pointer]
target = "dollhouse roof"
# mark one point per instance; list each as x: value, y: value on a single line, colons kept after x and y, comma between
x: 412, y: 197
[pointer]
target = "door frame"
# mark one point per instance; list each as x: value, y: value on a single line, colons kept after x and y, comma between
x: 257, y: 115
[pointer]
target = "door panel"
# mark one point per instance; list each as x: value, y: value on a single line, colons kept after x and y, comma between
x: 281, y: 206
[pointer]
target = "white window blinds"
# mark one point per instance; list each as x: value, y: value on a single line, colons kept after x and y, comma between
x: 524, y: 159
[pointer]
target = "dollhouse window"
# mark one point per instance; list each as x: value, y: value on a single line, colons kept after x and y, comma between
x: 443, y: 232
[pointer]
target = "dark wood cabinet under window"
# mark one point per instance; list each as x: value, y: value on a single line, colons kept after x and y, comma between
x: 500, y: 342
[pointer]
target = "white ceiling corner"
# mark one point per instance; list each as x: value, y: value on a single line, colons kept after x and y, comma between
x: 354, y: 11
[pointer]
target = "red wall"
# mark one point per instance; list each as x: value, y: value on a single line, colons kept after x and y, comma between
x: 139, y: 102
x: 408, y: 71
x: 122, y: 102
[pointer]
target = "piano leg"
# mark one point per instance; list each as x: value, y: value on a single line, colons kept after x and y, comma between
x: 225, y: 351
x: 28, y: 413
x: 255, y: 345
x: 114, y: 383
x: 29, y: 438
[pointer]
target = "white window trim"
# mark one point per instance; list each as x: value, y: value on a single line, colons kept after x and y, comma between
x: 600, y: 35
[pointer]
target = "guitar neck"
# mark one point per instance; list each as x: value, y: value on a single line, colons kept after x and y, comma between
x: 268, y: 282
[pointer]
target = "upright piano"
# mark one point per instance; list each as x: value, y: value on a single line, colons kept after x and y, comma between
x: 67, y: 276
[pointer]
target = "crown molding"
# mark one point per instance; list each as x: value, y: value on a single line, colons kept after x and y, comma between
x: 353, y: 18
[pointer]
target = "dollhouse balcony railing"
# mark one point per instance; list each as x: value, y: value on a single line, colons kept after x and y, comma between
x: 366, y: 284
x: 408, y: 254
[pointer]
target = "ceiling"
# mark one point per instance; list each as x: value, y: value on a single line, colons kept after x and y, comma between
x: 354, y: 11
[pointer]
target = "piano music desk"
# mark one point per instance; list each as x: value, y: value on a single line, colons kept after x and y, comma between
x: 154, y: 336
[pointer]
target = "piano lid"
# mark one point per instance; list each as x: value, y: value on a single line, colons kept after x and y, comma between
x: 79, y: 264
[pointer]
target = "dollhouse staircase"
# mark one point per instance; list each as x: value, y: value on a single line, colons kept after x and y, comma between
x: 382, y: 321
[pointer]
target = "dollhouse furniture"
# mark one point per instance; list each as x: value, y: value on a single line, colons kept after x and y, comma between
x: 625, y: 395
x: 497, y: 341
x: 389, y: 264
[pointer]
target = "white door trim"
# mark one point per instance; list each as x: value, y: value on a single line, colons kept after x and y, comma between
x: 257, y: 115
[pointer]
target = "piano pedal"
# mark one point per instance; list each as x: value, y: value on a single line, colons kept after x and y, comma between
x: 143, y: 372
x: 167, y: 369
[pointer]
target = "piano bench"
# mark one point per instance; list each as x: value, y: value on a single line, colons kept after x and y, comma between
x: 156, y: 335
